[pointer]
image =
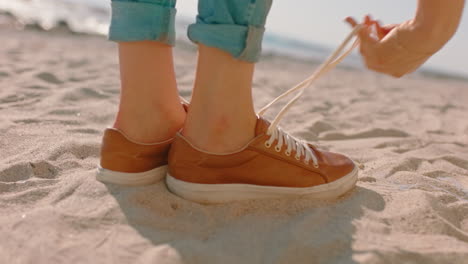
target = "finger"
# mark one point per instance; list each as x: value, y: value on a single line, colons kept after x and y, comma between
x: 351, y: 21
x: 388, y: 28
x: 365, y: 36
x: 384, y: 30
x: 368, y: 47
x: 381, y: 32
x: 368, y: 20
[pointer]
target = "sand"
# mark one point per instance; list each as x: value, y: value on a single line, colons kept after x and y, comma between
x: 59, y: 91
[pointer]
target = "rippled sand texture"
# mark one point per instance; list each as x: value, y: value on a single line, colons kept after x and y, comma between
x: 58, y: 92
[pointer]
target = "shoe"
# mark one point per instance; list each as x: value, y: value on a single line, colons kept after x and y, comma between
x: 127, y: 162
x: 268, y: 166
x: 272, y: 165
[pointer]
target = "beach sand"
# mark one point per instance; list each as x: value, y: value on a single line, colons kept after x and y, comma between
x: 59, y: 91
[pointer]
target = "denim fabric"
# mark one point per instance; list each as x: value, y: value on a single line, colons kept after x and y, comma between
x: 135, y: 20
x: 235, y: 26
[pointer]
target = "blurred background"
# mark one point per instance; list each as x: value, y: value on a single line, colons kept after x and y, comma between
x: 300, y: 28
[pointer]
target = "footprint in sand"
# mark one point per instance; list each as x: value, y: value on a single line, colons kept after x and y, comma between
x: 80, y: 151
x: 64, y: 112
x: 320, y: 127
x: 25, y: 171
x: 36, y: 87
x: 372, y: 133
x: 84, y: 131
x: 4, y: 74
x: 409, y: 164
x: 72, y: 64
x: 367, y: 179
x: 48, y: 77
x: 11, y: 99
x: 83, y: 94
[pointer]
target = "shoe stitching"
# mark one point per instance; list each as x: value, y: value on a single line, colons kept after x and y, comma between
x: 139, y: 143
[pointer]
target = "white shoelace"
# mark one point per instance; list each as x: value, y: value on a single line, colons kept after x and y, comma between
x: 300, y: 147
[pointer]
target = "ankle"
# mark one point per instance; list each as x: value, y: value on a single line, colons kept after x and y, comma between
x: 220, y: 134
x: 149, y: 125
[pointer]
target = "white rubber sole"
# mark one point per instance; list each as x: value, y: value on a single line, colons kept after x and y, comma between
x: 222, y: 193
x: 131, y: 179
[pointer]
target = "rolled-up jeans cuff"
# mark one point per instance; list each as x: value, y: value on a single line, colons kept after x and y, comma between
x: 242, y: 42
x: 137, y: 21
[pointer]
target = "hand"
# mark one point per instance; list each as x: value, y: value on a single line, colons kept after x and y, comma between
x: 394, y: 49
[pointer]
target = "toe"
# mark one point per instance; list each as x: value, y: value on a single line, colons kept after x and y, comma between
x: 335, y: 165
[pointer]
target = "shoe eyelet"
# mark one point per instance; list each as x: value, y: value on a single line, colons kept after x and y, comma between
x: 267, y: 144
x: 278, y: 149
x: 288, y: 153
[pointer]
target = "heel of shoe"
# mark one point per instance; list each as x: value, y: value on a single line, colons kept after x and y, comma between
x: 131, y: 179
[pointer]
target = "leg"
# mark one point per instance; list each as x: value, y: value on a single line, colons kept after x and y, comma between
x: 226, y: 153
x: 221, y: 117
x: 134, y: 151
x: 150, y: 109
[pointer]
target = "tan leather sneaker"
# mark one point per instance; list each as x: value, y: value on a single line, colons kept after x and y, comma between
x: 273, y: 164
x: 269, y: 166
x: 126, y: 162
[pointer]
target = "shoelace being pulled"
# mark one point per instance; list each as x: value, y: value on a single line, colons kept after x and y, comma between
x: 300, y: 147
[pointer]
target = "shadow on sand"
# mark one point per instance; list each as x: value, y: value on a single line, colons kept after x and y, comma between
x: 262, y: 231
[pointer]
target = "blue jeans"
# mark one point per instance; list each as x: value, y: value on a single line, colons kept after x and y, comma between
x: 235, y: 26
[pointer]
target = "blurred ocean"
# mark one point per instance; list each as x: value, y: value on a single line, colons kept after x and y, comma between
x: 92, y: 17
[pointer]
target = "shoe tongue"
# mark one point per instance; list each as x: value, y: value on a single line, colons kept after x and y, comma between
x: 262, y: 126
